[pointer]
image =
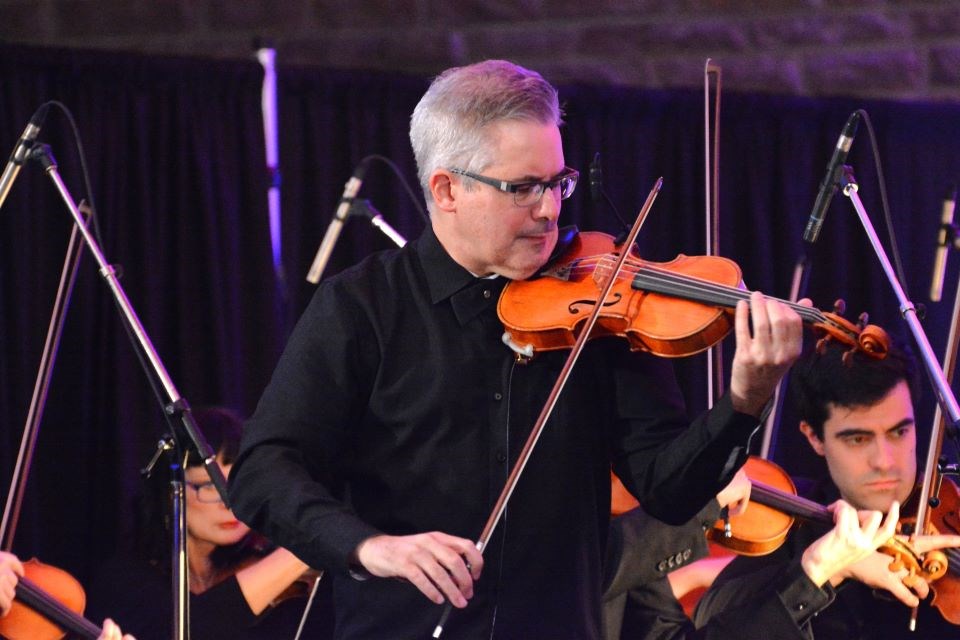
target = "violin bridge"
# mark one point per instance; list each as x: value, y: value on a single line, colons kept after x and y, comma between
x: 602, y: 273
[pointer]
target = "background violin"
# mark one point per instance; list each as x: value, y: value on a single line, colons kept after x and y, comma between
x: 763, y: 527
x: 944, y: 518
x: 48, y: 605
x: 672, y: 309
x: 774, y: 503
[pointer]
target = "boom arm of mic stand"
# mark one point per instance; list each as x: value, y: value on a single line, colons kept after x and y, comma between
x: 945, y: 397
x: 177, y: 405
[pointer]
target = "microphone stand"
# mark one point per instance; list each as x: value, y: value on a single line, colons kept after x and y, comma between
x: 946, y: 402
x: 945, y: 397
x: 175, y: 408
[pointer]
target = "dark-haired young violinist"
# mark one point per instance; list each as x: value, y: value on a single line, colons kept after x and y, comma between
x: 859, y: 417
x: 396, y: 412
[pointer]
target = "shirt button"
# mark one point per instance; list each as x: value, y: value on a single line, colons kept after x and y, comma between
x: 501, y: 457
x: 487, y: 293
x: 498, y: 396
x: 801, y: 606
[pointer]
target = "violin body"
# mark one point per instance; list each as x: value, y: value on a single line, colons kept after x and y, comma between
x: 547, y: 312
x: 761, y: 529
x: 49, y: 603
x: 945, y: 519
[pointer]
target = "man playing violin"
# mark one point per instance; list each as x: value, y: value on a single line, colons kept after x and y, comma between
x: 10, y: 572
x: 395, y: 413
x: 859, y: 417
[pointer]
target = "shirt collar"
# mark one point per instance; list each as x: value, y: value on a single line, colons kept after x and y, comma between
x: 468, y: 294
x: 444, y: 276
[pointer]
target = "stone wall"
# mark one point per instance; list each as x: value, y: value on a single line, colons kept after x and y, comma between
x: 896, y: 49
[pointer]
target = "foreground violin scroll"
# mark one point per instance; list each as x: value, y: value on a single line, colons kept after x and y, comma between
x: 672, y: 309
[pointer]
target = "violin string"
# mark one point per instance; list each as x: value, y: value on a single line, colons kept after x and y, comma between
x: 687, y: 286
x: 789, y: 503
x: 727, y: 295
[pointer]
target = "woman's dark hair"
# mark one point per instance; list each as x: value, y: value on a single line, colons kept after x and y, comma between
x: 221, y: 428
x: 833, y: 377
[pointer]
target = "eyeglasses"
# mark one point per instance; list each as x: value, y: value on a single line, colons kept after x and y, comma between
x: 206, y: 492
x: 526, y: 194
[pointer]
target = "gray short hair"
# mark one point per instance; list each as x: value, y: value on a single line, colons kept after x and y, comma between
x: 447, y: 128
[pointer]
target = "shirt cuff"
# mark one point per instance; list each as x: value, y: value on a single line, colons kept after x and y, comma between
x: 801, y: 597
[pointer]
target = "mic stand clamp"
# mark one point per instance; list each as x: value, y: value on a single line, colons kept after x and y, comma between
x: 943, y: 469
x: 168, y: 446
x: 176, y: 406
x: 951, y: 232
x: 366, y: 209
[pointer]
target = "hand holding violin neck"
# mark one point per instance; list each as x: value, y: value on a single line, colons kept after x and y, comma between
x: 764, y: 354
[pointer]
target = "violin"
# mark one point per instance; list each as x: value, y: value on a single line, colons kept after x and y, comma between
x: 49, y: 604
x: 944, y: 518
x: 774, y: 504
x: 763, y: 527
x: 302, y: 587
x: 671, y: 309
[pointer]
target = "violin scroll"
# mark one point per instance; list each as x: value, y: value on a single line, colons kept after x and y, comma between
x: 868, y: 339
x: 932, y: 566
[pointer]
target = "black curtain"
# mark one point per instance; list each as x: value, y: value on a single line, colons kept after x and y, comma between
x: 176, y: 158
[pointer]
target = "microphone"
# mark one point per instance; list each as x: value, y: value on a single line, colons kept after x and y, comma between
x: 945, y: 237
x: 20, y: 151
x: 596, y: 179
x: 336, y: 224
x: 828, y: 187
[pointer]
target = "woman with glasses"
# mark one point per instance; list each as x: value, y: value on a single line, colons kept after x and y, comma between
x: 236, y: 579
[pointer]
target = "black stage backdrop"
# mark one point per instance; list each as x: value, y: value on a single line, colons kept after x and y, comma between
x: 175, y: 150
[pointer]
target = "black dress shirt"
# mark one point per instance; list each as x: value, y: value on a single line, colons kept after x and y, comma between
x: 396, y: 408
